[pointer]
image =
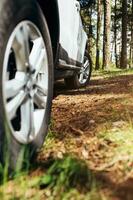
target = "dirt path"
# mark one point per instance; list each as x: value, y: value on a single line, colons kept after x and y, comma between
x: 95, y: 124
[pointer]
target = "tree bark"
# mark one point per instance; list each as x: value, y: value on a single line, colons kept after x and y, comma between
x: 123, y: 61
x: 115, y: 35
x: 99, y: 23
x: 131, y: 47
x: 106, y: 35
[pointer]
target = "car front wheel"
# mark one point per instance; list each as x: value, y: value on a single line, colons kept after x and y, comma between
x: 26, y: 80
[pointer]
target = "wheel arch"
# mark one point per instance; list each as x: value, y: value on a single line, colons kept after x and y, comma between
x: 51, y: 13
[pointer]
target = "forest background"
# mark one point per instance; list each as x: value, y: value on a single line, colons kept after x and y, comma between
x: 109, y: 25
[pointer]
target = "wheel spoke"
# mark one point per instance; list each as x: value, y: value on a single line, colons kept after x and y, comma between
x: 31, y: 115
x: 42, y: 90
x: 86, y: 75
x: 27, y: 118
x: 14, y: 104
x: 26, y: 33
x: 40, y: 100
x: 39, y: 64
x: 81, y: 77
x: 38, y: 115
x: 86, y: 64
x: 36, y: 51
x: 21, y: 48
x: 14, y: 86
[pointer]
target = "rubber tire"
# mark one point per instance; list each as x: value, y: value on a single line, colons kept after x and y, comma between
x: 73, y: 82
x: 11, y: 13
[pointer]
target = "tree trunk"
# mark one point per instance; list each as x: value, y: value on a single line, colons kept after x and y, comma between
x: 106, y: 35
x: 99, y: 23
x: 123, y: 61
x: 115, y: 35
x: 131, y: 47
x: 90, y: 32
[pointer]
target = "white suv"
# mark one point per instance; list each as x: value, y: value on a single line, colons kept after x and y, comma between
x: 39, y: 40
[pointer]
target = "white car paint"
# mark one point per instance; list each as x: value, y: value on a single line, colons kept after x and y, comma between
x: 72, y: 35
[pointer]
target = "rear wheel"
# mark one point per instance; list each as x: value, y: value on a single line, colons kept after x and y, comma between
x: 26, y: 80
x: 82, y: 78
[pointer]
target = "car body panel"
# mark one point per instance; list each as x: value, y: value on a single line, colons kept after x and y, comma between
x: 72, y: 36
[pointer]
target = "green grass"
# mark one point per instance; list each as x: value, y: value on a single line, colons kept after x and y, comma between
x: 70, y: 177
x: 120, y: 148
x: 67, y: 178
x: 112, y: 72
x: 60, y: 179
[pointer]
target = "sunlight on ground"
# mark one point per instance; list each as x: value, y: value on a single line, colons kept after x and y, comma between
x: 88, y: 153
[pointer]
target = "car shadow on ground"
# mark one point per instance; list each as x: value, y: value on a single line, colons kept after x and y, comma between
x: 97, y: 86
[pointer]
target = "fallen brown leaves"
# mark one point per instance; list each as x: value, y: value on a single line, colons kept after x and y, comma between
x: 80, y: 116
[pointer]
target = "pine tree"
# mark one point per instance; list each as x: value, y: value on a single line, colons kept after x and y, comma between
x: 106, y: 35
x: 99, y: 23
x: 123, y: 61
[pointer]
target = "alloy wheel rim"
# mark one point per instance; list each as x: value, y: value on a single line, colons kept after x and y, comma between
x: 25, y: 81
x: 84, y: 72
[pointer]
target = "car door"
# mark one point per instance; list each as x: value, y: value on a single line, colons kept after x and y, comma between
x: 72, y: 44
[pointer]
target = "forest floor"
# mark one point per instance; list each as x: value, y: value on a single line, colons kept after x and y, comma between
x: 88, y: 153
